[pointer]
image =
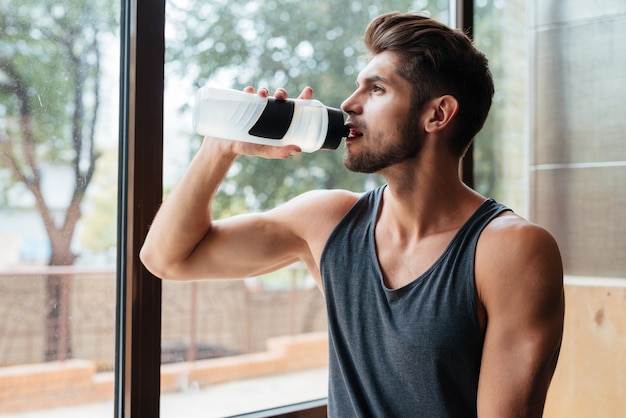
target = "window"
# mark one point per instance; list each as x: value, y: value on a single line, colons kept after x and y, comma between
x: 79, y: 328
x: 59, y: 62
x: 552, y: 150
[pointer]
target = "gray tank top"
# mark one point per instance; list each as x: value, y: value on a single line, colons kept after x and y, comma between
x: 409, y: 352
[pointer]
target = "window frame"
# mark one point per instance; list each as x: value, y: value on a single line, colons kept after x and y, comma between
x: 138, y: 342
x: 139, y: 294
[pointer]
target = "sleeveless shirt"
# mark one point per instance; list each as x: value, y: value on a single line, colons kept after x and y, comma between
x: 414, y: 351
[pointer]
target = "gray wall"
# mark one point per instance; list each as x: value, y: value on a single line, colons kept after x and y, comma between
x: 578, y: 131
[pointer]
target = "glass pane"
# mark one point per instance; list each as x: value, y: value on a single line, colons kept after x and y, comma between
x: 553, y: 150
x: 501, y: 148
x: 236, y: 346
x: 59, y: 70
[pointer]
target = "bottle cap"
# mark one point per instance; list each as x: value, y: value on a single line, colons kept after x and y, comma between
x: 337, y: 130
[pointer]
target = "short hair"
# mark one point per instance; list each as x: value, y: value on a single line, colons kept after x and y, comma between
x: 437, y: 60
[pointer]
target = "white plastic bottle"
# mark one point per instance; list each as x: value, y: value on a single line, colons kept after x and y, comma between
x: 241, y: 116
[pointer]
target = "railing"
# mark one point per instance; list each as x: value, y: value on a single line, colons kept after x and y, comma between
x: 249, y: 328
x: 200, y: 319
x: 85, y: 305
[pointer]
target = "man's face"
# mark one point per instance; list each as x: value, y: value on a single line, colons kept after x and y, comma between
x: 384, y: 129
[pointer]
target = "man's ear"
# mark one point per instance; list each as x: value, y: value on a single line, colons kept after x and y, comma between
x: 440, y: 113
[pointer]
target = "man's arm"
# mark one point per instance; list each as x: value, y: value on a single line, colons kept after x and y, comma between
x: 519, y: 279
x: 185, y: 243
x: 184, y: 228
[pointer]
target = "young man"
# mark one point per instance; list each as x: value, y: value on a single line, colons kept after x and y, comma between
x: 441, y: 303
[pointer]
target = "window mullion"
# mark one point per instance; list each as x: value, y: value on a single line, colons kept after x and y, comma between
x: 462, y: 17
x: 141, y: 160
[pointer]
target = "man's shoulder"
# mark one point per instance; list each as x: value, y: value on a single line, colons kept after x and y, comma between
x: 511, y: 231
x: 514, y: 252
x: 315, y: 213
x: 330, y: 194
x: 329, y: 202
x: 312, y: 216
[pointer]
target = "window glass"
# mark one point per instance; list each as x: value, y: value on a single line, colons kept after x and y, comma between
x: 59, y: 70
x: 236, y: 346
x: 501, y: 148
x: 553, y: 150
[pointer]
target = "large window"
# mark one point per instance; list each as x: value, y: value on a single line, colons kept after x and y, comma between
x: 76, y: 342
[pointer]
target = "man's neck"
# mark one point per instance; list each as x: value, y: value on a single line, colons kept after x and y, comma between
x: 424, y: 202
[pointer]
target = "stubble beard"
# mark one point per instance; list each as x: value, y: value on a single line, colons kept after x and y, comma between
x: 406, y: 147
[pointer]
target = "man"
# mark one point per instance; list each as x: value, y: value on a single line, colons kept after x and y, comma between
x: 440, y: 302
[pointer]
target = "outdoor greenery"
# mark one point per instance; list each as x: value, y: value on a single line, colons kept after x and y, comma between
x: 288, y: 44
x: 50, y: 73
x: 51, y: 60
x: 293, y: 44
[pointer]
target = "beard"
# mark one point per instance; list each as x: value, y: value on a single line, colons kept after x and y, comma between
x: 406, y: 146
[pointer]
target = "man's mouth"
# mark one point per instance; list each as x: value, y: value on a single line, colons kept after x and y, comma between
x: 354, y: 132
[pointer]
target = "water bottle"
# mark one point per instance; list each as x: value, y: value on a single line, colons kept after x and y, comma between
x: 241, y: 116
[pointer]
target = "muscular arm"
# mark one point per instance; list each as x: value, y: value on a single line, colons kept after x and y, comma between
x: 184, y: 228
x: 520, y: 283
x: 185, y: 243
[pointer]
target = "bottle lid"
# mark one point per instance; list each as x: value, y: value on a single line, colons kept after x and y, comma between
x: 337, y: 130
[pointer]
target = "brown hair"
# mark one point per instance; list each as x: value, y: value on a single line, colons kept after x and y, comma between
x: 437, y: 60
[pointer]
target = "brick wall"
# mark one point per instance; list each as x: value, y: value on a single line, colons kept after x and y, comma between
x: 74, y: 382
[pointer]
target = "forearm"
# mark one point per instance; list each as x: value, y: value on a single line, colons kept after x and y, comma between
x: 184, y: 219
x: 180, y: 244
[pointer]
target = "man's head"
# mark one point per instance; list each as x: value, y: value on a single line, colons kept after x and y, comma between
x: 437, y: 60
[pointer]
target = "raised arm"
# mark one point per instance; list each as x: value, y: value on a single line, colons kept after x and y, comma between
x: 520, y: 284
x: 185, y: 243
x: 184, y: 226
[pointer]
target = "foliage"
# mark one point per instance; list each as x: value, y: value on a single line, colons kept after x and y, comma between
x: 99, y: 234
x: 50, y: 60
x: 488, y: 35
x: 50, y: 73
x: 288, y: 44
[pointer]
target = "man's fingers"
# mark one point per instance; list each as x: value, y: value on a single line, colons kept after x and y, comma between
x: 307, y: 93
x: 266, y: 151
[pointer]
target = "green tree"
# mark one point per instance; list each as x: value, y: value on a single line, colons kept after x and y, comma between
x: 99, y: 234
x: 287, y: 43
x: 50, y: 64
x: 488, y: 35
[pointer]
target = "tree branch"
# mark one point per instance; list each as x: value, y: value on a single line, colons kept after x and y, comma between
x: 18, y: 87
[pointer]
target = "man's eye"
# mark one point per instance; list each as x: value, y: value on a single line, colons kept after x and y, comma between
x: 377, y: 89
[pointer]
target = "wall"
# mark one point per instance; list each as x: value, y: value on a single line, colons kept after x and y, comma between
x: 577, y: 176
x: 578, y: 157
x: 75, y: 382
x: 590, y: 378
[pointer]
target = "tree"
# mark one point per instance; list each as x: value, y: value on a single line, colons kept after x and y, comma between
x: 287, y: 43
x: 488, y: 35
x: 50, y: 64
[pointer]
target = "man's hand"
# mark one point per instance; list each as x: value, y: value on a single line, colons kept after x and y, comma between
x: 266, y: 151
x: 184, y: 243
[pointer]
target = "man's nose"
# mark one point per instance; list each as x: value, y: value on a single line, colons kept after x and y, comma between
x: 350, y: 105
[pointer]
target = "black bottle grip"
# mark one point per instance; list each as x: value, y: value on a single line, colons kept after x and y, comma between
x: 275, y: 120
